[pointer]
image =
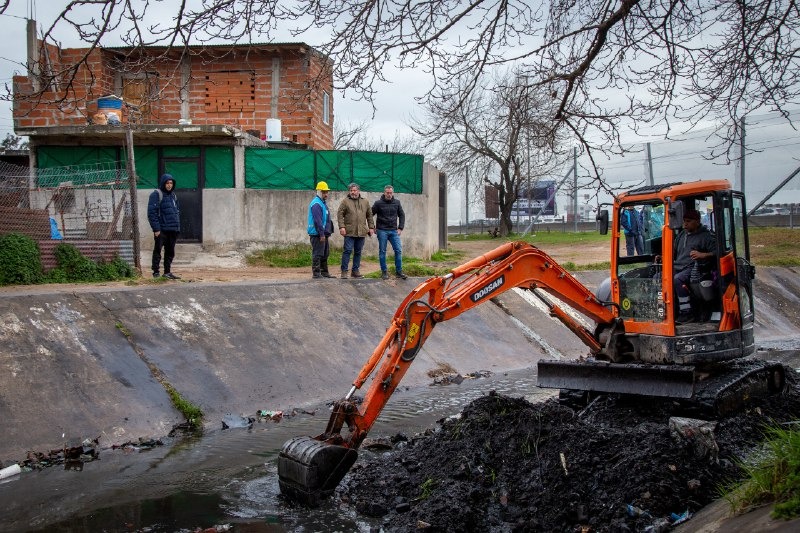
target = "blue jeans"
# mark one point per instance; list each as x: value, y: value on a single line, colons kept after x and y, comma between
x: 634, y: 242
x: 391, y: 236
x: 352, y: 245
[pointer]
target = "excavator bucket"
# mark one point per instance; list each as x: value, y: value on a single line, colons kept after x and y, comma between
x: 309, y: 470
x: 669, y: 381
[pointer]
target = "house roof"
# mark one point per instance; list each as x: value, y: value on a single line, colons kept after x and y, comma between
x: 153, y: 133
x: 268, y: 45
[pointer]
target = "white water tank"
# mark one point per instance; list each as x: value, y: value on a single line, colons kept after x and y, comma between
x: 274, y: 130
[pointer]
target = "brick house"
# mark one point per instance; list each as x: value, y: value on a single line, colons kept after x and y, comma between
x: 237, y: 86
x: 202, y: 116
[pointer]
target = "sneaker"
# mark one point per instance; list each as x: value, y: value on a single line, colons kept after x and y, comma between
x: 156, y: 275
x: 170, y: 275
x: 344, y: 274
x: 400, y: 275
x: 356, y: 274
x: 384, y: 275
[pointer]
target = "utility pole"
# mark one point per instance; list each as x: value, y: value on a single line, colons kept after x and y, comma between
x: 651, y: 180
x: 466, y: 194
x: 575, y: 188
x: 131, y: 164
x: 741, y: 156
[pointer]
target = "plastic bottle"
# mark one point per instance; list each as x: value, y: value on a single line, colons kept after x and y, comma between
x: 9, y: 471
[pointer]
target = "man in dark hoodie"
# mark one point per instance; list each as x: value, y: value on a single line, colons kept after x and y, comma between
x: 164, y: 216
x: 389, y: 223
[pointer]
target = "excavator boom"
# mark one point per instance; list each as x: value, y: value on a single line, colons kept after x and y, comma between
x: 310, y: 468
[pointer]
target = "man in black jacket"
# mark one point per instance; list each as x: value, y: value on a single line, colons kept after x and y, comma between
x: 164, y: 216
x: 389, y: 223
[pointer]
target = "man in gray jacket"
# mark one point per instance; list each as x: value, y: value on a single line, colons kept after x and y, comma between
x: 355, y: 223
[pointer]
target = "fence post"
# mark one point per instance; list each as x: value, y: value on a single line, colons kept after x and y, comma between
x: 131, y: 164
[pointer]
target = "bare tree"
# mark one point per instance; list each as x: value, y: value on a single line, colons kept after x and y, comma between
x: 344, y: 134
x: 608, y: 65
x: 501, y: 133
x: 359, y: 137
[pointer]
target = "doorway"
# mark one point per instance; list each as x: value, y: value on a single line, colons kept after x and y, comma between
x: 189, y: 182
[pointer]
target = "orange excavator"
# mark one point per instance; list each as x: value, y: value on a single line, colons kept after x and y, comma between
x: 639, y: 342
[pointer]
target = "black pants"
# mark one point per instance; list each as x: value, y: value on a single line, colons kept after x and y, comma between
x: 165, y: 239
x: 320, y: 250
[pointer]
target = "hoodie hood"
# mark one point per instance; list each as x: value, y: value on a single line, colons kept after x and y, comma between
x: 164, y: 179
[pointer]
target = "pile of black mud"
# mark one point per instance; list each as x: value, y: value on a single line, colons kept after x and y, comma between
x: 505, y: 464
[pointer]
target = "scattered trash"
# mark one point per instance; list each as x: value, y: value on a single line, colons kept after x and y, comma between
x: 564, y: 463
x: 73, y: 457
x: 658, y: 526
x: 698, y: 433
x: 457, y: 379
x: 680, y: 518
x: 377, y: 444
x: 233, y: 421
x: 448, y: 379
x: 275, y: 416
x: 10, y: 471
x: 637, y: 511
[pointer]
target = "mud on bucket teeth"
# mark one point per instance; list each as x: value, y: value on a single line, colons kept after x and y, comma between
x: 309, y: 470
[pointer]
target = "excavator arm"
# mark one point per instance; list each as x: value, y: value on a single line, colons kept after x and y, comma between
x: 311, y: 468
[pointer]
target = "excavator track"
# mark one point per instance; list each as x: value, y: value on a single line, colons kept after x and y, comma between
x: 712, y: 391
x: 737, y: 384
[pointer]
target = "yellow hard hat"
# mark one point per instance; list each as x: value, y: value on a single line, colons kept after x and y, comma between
x: 322, y: 186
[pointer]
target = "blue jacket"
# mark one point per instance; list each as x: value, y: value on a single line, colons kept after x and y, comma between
x: 631, y: 221
x: 319, y: 218
x: 163, y: 212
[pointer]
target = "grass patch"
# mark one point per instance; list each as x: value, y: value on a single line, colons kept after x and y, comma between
x: 121, y: 327
x: 774, y: 476
x: 542, y: 239
x: 192, y: 413
x: 296, y: 255
x: 774, y: 247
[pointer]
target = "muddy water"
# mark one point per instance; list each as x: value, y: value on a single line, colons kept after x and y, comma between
x: 223, y: 478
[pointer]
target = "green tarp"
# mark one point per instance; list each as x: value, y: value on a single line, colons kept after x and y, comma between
x: 265, y: 168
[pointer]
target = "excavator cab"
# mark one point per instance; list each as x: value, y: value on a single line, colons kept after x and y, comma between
x: 637, y: 344
x: 662, y: 292
x: 681, y: 319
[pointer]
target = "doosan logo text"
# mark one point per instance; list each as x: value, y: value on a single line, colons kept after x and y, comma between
x: 489, y: 289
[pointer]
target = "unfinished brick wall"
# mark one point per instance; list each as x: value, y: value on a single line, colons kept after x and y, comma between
x: 227, y: 85
x: 63, y: 101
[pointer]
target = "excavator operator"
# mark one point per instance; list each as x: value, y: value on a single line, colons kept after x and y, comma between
x: 695, y: 247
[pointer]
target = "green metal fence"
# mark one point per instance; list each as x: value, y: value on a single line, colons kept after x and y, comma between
x: 265, y: 168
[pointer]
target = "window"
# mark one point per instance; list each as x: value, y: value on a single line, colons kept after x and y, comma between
x: 326, y: 107
x: 139, y: 91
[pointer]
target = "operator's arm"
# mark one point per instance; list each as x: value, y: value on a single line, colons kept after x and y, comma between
x: 340, y: 214
x: 153, y: 209
x: 707, y: 248
x: 370, y: 220
x: 401, y: 217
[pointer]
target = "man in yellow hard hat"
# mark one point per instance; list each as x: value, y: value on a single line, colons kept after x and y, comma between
x: 320, y: 228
